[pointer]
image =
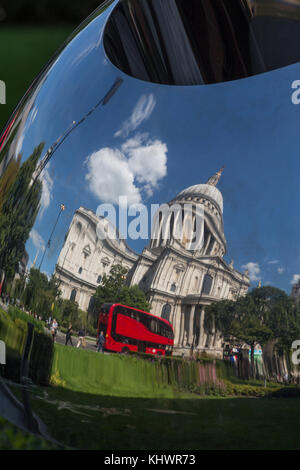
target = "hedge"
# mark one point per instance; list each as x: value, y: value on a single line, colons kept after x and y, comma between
x: 136, y: 376
x: 13, y: 331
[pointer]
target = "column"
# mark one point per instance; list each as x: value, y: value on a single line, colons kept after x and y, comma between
x: 182, y: 322
x: 176, y: 324
x: 202, y: 334
x: 212, y: 336
x: 165, y: 229
x: 191, y: 325
x: 207, y: 244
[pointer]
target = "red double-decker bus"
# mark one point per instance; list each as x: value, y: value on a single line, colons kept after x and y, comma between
x: 129, y: 329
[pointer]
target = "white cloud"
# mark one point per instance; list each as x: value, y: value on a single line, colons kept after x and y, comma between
x: 254, y: 271
x: 295, y: 279
x: 33, y: 115
x: 109, y: 177
x: 280, y: 270
x: 148, y: 162
x: 137, y: 167
x: 275, y: 261
x: 141, y: 112
x: 47, y: 185
x: 37, y: 240
x: 20, y: 144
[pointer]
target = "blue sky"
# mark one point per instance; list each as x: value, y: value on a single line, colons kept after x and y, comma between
x: 151, y: 141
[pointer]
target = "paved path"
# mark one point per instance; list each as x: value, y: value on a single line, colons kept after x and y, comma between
x: 13, y: 411
x: 61, y: 339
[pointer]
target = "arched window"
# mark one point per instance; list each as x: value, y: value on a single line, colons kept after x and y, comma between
x: 99, y: 279
x: 73, y: 295
x: 196, y: 283
x: 166, y: 312
x: 207, y: 283
x: 173, y: 288
x: 80, y: 270
x: 78, y: 228
x: 91, y: 305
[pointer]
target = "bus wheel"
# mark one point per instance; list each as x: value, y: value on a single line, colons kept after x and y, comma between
x: 125, y: 351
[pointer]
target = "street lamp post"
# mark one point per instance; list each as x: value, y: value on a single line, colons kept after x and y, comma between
x: 62, y: 208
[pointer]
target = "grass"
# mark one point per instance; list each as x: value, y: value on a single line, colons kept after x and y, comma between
x: 95, y: 421
x: 12, y: 438
x: 25, y: 51
x: 114, y: 402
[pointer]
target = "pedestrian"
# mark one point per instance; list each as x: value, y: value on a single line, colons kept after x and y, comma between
x: 81, y: 338
x: 101, y: 342
x: 286, y: 378
x: 68, y: 335
x: 54, y: 328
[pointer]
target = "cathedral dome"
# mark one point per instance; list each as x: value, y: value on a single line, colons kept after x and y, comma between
x: 205, y: 190
x: 181, y: 223
x: 208, y: 191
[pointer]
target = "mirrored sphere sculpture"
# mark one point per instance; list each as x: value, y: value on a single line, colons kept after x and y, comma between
x: 193, y: 105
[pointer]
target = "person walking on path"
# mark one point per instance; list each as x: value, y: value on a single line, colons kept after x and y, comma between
x: 69, y: 335
x: 54, y: 328
x: 81, y: 338
x: 101, y: 341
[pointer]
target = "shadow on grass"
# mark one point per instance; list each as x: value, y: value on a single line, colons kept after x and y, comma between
x: 88, y: 421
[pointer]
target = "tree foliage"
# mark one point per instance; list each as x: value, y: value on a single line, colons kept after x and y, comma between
x: 264, y: 314
x: 113, y: 289
x: 19, y: 208
x: 41, y: 294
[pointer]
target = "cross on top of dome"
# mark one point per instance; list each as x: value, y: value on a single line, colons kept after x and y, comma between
x: 213, y: 181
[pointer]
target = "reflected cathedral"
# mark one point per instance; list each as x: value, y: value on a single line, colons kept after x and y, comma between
x: 178, y: 282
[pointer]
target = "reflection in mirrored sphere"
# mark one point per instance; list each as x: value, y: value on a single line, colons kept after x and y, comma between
x: 182, y: 104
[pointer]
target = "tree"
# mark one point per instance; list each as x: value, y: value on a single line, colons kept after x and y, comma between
x: 264, y: 314
x: 19, y: 208
x: 41, y: 294
x: 19, y: 288
x: 8, y: 178
x: 281, y: 315
x: 69, y: 312
x: 134, y: 297
x: 114, y: 290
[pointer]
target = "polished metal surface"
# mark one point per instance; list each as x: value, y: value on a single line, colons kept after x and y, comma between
x: 149, y: 98
x: 179, y: 42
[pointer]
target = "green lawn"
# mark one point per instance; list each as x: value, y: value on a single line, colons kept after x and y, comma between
x: 12, y: 438
x: 115, y: 402
x: 90, y: 421
x: 25, y: 51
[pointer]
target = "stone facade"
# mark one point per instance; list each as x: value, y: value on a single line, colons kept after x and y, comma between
x: 295, y: 293
x: 85, y: 258
x: 178, y: 281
